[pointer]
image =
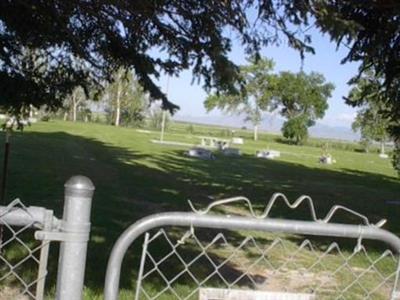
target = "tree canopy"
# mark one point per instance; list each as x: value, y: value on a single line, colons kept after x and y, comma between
x: 302, y: 94
x: 124, y: 98
x: 253, y: 97
x: 372, y: 118
x: 299, y: 97
x: 47, y: 48
x: 372, y: 125
x: 302, y: 99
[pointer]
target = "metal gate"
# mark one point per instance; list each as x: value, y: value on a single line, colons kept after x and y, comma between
x: 220, y: 252
x: 205, y: 255
x: 26, y: 234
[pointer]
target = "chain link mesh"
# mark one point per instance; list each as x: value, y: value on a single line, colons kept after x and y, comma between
x: 20, y: 254
x: 176, y: 265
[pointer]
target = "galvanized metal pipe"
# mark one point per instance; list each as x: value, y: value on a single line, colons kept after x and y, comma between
x: 44, y: 255
x: 75, y: 228
x: 232, y: 223
x: 31, y: 216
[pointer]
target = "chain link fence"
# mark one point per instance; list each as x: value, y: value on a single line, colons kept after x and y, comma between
x: 207, y: 256
x: 25, y: 236
x: 178, y: 265
x: 23, y: 259
x: 204, y: 255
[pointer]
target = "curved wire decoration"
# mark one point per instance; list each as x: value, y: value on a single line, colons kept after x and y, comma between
x: 279, y: 196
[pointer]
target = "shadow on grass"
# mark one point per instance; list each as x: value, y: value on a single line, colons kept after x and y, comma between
x: 131, y: 184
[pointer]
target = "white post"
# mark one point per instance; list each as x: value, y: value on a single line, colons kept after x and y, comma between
x: 75, y: 228
x: 163, y: 125
x: 74, y: 112
x: 30, y: 111
x: 164, y: 115
x: 118, y: 108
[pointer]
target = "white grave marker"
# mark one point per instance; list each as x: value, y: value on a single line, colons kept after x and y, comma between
x: 225, y: 294
x: 237, y: 141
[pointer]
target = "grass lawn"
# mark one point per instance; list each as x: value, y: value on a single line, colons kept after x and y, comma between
x: 134, y: 178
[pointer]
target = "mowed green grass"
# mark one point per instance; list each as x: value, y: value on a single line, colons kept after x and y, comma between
x: 135, y: 178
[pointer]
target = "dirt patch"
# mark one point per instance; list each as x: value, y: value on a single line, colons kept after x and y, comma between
x: 297, y: 281
x: 8, y: 293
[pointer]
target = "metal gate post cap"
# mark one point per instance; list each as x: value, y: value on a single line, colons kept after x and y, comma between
x: 79, y: 186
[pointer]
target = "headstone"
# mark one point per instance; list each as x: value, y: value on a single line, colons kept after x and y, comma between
x: 383, y: 155
x: 268, y: 154
x: 275, y: 153
x: 326, y: 159
x: 213, y: 143
x: 200, y: 153
x: 237, y: 141
x: 235, y: 294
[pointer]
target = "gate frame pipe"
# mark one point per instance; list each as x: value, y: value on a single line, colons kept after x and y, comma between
x: 111, y: 287
x: 75, y: 226
x: 32, y: 216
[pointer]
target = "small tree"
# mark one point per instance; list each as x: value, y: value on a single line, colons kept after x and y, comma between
x: 371, y: 119
x: 133, y: 112
x: 254, y: 97
x: 372, y: 126
x: 190, y: 129
x: 302, y: 99
x: 156, y: 116
x: 125, y: 99
x: 296, y: 129
x: 73, y: 103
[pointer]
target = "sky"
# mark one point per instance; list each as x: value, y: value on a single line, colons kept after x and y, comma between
x: 326, y: 60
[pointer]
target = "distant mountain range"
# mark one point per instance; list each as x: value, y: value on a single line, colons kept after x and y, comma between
x: 272, y: 124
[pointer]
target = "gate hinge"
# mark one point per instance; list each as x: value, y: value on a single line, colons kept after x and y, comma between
x: 59, y: 236
x: 66, y: 233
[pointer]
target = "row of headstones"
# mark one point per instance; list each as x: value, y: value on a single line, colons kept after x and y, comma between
x: 224, y: 147
x: 203, y: 153
x: 219, y: 143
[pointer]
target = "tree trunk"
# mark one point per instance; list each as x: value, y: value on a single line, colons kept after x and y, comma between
x: 65, y: 116
x: 30, y: 111
x: 118, y: 108
x: 382, y: 147
x: 256, y: 132
x: 163, y: 125
x: 74, y: 107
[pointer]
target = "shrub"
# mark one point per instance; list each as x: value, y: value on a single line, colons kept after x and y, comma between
x: 45, y: 118
x: 190, y: 129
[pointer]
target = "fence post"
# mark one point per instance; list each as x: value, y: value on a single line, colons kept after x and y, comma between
x: 76, y: 227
